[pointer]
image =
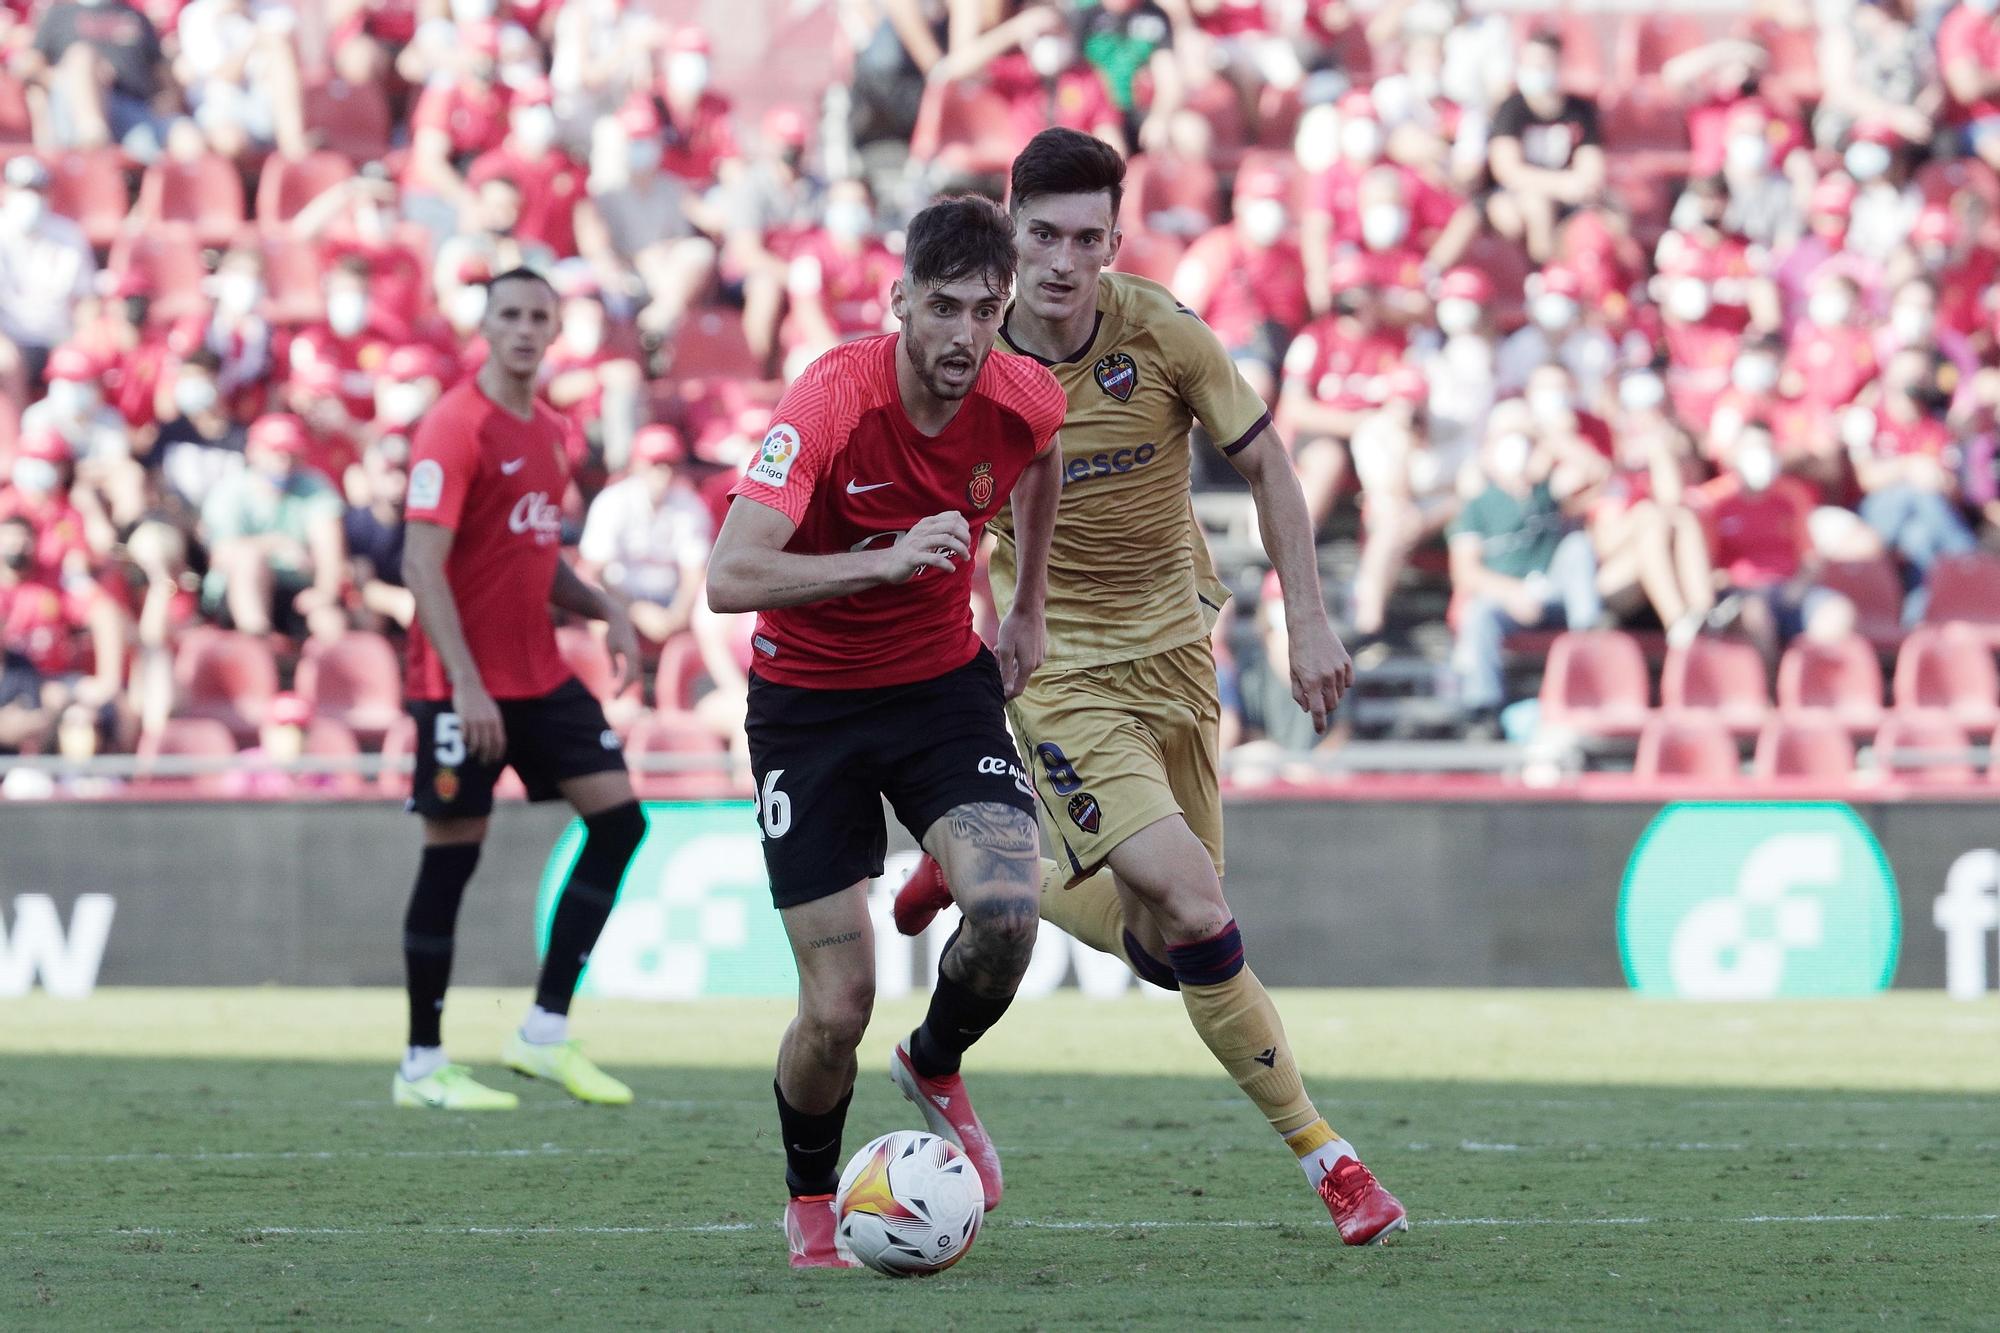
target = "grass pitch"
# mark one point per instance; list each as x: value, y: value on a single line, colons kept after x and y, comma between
x: 229, y: 1159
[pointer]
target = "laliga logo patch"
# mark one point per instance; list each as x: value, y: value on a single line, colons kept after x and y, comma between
x: 774, y: 461
x: 1083, y: 808
x: 1117, y: 375
x: 980, y: 489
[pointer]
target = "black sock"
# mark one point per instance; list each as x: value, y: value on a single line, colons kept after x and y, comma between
x: 428, y: 927
x: 812, y: 1145
x: 612, y: 836
x: 957, y: 1018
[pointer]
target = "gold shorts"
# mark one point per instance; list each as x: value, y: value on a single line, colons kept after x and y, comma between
x: 1116, y: 748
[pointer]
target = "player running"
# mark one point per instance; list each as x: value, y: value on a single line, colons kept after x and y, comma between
x: 1122, y: 719
x: 852, y: 535
x: 488, y: 689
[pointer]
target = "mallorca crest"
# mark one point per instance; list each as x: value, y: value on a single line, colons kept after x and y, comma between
x: 1118, y: 376
x: 980, y: 489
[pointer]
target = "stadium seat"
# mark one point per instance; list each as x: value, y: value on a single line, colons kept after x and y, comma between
x: 1146, y: 255
x: 288, y: 184
x: 353, y: 120
x: 1687, y: 745
x: 327, y: 738
x: 1876, y: 590
x: 711, y: 343
x: 1722, y: 679
x: 587, y: 656
x: 357, y: 680
x: 965, y: 128
x: 205, y: 192
x: 1923, y: 747
x: 1189, y: 191
x: 168, y: 256
x: 187, y: 737
x: 227, y: 677
x: 292, y: 277
x: 1804, y: 747
x: 89, y: 186
x: 1948, y: 669
x: 679, y: 671
x: 1595, y: 684
x: 17, y: 122
x: 673, y: 732
x: 1966, y: 589
x: 1645, y: 43
x: 1839, y: 682
x: 399, y: 746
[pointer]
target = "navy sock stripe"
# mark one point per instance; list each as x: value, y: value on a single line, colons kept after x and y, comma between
x: 1148, y: 967
x: 1208, y: 962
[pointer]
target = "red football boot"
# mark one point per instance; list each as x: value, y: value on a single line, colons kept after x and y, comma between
x: 923, y: 895
x: 1366, y: 1213
x: 809, y: 1230
x: 949, y: 1112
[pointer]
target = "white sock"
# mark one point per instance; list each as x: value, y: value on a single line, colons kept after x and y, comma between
x: 542, y: 1028
x: 1319, y: 1163
x: 422, y: 1062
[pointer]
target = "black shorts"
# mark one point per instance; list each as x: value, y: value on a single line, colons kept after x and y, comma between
x: 823, y: 760
x: 559, y: 736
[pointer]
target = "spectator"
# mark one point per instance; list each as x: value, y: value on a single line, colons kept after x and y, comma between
x: 1279, y: 734
x: 201, y: 443
x: 1887, y: 200
x: 1720, y: 83
x: 1514, y: 565
x: 102, y: 64
x: 373, y: 531
x: 492, y: 234
x: 1831, y: 358
x: 129, y: 349
x: 357, y: 219
x: 700, y: 141
x: 46, y: 270
x: 265, y: 770
x: 413, y: 377
x: 648, y: 537
x: 352, y: 341
x: 236, y: 332
x: 457, y: 117
x: 764, y: 212
x: 1461, y: 368
x: 1408, y: 496
x: 1394, y: 261
x: 241, y: 73
x: 171, y: 604
x: 597, y: 385
x: 74, y: 409
x: 273, y: 532
x: 1763, y: 200
x: 1703, y: 287
x: 1546, y: 151
x: 26, y: 703
x: 839, y: 278
x: 1875, y: 66
x: 1559, y: 331
x: 62, y: 636
x: 893, y: 62
x: 1779, y: 300
x: 1968, y: 55
x: 36, y: 493
x: 1646, y: 538
x: 1247, y: 280
x: 1175, y: 190
x: 639, y: 228
x: 1906, y: 462
x: 1122, y: 38
x: 1044, y: 79
x: 1806, y: 447
x: 551, y: 185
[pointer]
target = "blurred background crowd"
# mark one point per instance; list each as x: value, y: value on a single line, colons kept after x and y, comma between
x: 1641, y: 370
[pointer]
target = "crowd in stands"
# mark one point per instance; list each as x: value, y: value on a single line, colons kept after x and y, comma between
x: 1675, y: 325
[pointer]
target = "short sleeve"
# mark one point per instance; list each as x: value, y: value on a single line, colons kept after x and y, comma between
x: 1508, y: 121
x: 433, y: 109
x: 1044, y: 406
x: 1211, y: 385
x: 1588, y: 134
x: 599, y: 543
x: 805, y: 433
x: 444, y: 457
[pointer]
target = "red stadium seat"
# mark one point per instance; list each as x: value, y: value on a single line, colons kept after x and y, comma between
x: 90, y: 187
x: 667, y: 732
x: 205, y: 192
x: 288, y: 184
x: 1687, y: 745
x: 1804, y: 747
x: 327, y: 738
x: 226, y: 677
x: 187, y: 737
x: 1924, y: 747
x: 1721, y: 679
x: 168, y: 256
x: 1645, y: 44
x: 292, y: 276
x: 1966, y: 588
x: 1595, y: 684
x: 400, y: 744
x: 711, y: 343
x: 680, y: 670
x: 1189, y: 190
x: 1839, y: 682
x: 1949, y: 669
x: 1146, y: 255
x: 1876, y: 590
x: 357, y: 680
x: 587, y: 656
x: 17, y: 122
x: 965, y: 128
x: 351, y: 119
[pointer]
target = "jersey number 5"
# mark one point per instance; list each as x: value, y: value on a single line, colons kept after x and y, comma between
x: 450, y: 740
x: 774, y: 808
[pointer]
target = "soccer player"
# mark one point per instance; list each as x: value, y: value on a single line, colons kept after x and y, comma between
x: 852, y: 536
x: 1121, y: 722
x: 489, y: 689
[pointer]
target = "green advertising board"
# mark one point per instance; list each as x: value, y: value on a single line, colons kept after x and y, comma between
x: 1757, y: 900
x: 694, y: 915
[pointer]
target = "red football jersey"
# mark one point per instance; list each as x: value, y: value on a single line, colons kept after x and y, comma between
x: 497, y: 482
x: 843, y: 461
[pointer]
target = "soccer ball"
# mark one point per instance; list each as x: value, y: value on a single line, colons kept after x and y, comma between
x: 909, y: 1204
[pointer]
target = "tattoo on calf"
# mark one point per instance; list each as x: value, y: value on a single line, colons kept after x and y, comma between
x: 845, y: 937
x: 991, y: 950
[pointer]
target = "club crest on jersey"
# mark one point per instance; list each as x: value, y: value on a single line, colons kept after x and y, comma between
x: 1117, y: 375
x: 445, y: 784
x: 1083, y: 808
x: 980, y: 489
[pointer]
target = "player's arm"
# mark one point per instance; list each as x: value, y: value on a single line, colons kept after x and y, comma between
x: 1023, y: 641
x: 752, y: 571
x: 570, y: 593
x: 425, y: 549
x: 1321, y: 669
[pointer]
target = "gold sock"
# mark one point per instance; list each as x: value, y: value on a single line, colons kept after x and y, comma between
x: 1240, y: 1025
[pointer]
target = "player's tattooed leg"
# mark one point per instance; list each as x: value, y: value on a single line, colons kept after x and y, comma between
x: 994, y: 854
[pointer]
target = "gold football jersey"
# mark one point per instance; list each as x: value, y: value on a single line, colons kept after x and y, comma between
x: 1129, y: 573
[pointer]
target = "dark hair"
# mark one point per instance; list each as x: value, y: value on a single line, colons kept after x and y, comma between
x: 1548, y: 37
x: 522, y: 273
x: 1060, y: 161
x: 960, y: 237
x: 203, y: 358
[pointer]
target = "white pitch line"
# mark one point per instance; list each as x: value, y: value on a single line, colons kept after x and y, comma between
x: 321, y: 1155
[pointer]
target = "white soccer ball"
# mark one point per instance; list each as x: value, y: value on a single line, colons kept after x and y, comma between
x: 909, y: 1204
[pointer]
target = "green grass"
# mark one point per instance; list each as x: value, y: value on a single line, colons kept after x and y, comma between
x: 229, y: 1159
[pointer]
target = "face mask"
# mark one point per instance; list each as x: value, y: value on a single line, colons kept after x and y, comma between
x: 535, y: 128
x: 1549, y: 405
x: 467, y: 306
x: 1866, y: 161
x: 687, y: 73
x: 1536, y: 82
x: 1263, y: 221
x: 400, y: 404
x: 1754, y: 374
x: 642, y: 158
x: 471, y: 11
x: 35, y: 476
x: 1361, y: 141
x: 1432, y: 18
x: 73, y: 398
x: 1050, y: 56
x: 1688, y: 301
x: 584, y: 333
x: 1509, y: 456
x: 1911, y: 324
x: 347, y: 312
x: 1757, y: 466
x: 238, y: 293
x: 1747, y: 154
x: 849, y: 221
x: 1458, y: 316
x: 1317, y: 143
x: 1553, y: 311
x: 22, y: 210
x: 195, y: 395
x: 1829, y: 310
x: 1641, y: 393
x: 1383, y: 225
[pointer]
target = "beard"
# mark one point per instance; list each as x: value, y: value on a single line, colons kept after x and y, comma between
x: 931, y: 371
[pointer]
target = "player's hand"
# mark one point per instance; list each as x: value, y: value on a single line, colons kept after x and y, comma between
x: 1023, y: 643
x: 622, y: 641
x: 479, y: 717
x: 1321, y: 671
x: 937, y: 542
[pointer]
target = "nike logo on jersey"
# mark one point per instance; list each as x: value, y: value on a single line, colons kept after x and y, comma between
x: 856, y: 489
x: 510, y: 469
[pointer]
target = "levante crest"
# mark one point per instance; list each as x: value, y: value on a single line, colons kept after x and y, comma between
x: 1118, y: 375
